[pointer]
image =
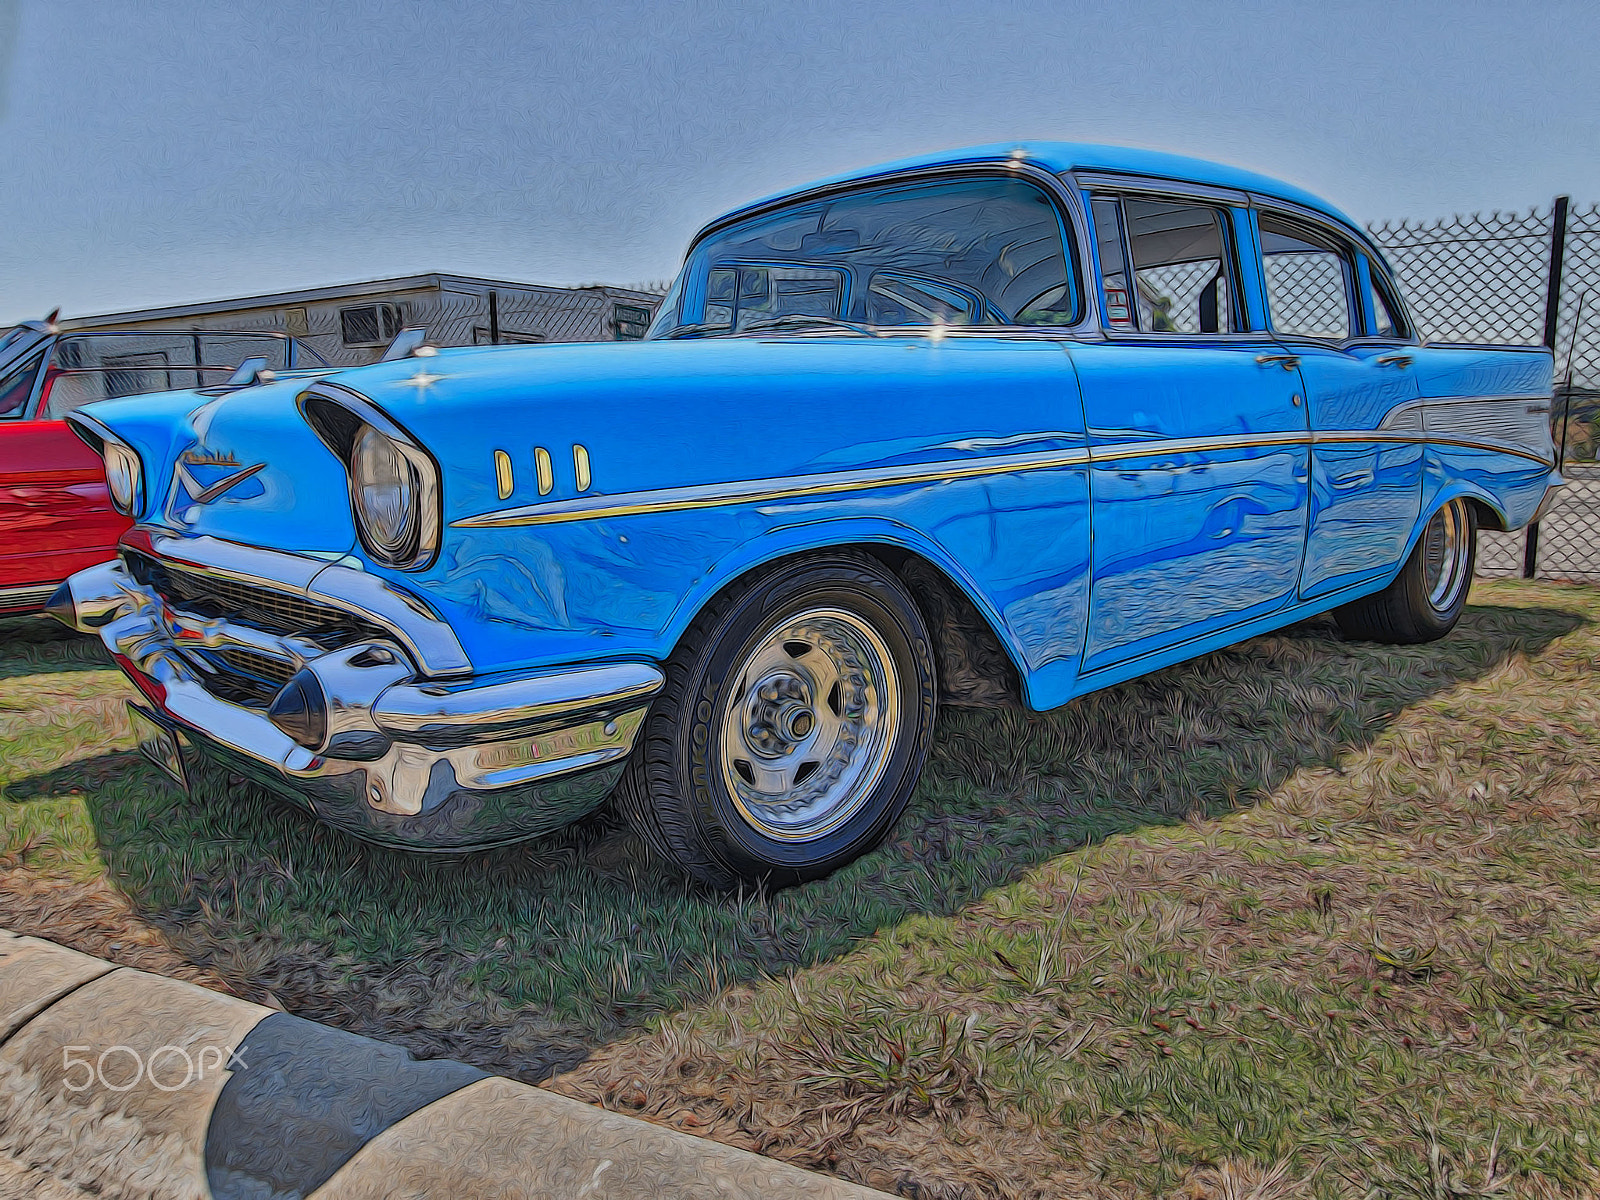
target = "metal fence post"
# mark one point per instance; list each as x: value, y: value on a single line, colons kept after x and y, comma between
x: 1552, y: 312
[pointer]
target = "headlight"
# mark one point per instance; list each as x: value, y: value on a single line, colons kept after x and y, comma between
x: 383, y: 487
x: 395, y: 493
x: 124, y: 478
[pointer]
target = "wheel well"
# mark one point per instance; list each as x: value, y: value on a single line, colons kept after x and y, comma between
x: 975, y: 670
x: 1488, y: 518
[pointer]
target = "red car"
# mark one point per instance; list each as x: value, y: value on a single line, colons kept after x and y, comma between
x: 55, y: 515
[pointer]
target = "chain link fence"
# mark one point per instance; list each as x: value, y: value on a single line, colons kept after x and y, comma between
x: 1488, y: 279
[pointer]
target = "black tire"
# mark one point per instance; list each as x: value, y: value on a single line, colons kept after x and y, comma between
x: 691, y: 788
x: 1425, y: 600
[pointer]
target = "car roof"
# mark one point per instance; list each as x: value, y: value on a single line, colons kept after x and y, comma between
x: 1057, y: 157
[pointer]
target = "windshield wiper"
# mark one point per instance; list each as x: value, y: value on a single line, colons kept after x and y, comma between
x: 808, y: 320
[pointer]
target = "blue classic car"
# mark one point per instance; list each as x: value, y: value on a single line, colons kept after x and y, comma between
x: 1000, y: 426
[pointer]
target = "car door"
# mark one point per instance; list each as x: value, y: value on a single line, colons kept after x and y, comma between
x: 1198, y: 435
x: 55, y: 514
x: 1354, y: 361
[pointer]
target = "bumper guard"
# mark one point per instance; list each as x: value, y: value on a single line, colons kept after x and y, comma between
x: 366, y: 741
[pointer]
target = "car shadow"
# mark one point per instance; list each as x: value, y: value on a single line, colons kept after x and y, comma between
x: 35, y: 645
x: 520, y: 960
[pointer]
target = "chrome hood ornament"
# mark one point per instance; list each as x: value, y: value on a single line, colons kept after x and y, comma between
x: 206, y: 475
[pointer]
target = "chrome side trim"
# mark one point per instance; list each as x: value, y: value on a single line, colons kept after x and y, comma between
x: 757, y: 491
x: 32, y: 594
x: 427, y: 639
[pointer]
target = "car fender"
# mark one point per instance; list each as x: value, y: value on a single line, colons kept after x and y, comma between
x: 830, y: 532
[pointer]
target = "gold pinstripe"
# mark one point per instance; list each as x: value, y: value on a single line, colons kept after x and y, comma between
x: 756, y: 491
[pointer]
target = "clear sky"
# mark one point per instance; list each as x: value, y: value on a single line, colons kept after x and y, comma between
x: 158, y: 153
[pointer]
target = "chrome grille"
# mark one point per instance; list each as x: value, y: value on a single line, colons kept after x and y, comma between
x: 239, y: 674
x: 240, y: 689
x: 275, y: 671
x: 261, y: 608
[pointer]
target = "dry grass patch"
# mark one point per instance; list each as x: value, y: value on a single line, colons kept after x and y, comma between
x: 1300, y: 917
x: 1379, y: 976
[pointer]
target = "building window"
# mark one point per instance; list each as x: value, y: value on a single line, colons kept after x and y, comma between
x: 135, y: 374
x: 295, y: 320
x: 508, y: 337
x: 629, y: 322
x: 370, y: 324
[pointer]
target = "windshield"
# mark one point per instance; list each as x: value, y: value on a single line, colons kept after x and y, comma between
x: 12, y: 336
x: 102, y: 366
x: 986, y: 251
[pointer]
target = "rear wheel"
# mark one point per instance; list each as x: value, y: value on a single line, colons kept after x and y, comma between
x: 794, y: 723
x: 1425, y: 600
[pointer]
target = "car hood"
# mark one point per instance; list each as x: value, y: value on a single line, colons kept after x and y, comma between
x: 666, y: 413
x: 243, y: 466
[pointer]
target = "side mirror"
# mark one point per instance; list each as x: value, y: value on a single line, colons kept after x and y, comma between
x: 247, y: 374
x: 408, y: 343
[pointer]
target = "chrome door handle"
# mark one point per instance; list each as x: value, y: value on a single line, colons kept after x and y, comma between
x: 1393, y: 360
x: 1287, y: 361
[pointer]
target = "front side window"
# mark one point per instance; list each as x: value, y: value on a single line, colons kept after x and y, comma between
x: 988, y: 251
x: 1180, y: 266
x: 1114, y: 275
x: 16, y: 385
x: 1308, y: 280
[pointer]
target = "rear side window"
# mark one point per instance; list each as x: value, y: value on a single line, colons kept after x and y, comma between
x: 1384, y: 313
x: 1164, y: 265
x: 1308, y: 277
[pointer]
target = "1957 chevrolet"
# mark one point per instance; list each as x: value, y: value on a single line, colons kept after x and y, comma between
x: 999, y: 426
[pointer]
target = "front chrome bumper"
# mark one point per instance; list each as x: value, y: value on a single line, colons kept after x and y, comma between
x: 399, y: 756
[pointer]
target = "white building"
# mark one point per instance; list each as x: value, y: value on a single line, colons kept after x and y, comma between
x: 350, y: 324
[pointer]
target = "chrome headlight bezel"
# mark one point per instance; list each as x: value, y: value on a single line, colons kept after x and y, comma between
x: 124, y: 477
x: 346, y: 422
x: 124, y: 469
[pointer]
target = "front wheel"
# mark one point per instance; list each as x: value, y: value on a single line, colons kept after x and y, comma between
x: 1425, y: 600
x: 795, y: 720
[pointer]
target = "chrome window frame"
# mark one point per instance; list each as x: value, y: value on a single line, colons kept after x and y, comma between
x: 1101, y: 185
x: 1362, y: 244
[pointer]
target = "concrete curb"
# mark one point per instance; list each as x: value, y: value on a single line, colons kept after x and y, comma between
x: 124, y: 1084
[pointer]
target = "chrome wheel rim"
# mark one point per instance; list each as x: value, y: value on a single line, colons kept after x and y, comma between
x: 1445, y: 547
x: 809, y: 724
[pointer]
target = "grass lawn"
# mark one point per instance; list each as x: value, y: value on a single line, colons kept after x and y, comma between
x: 1301, y: 917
